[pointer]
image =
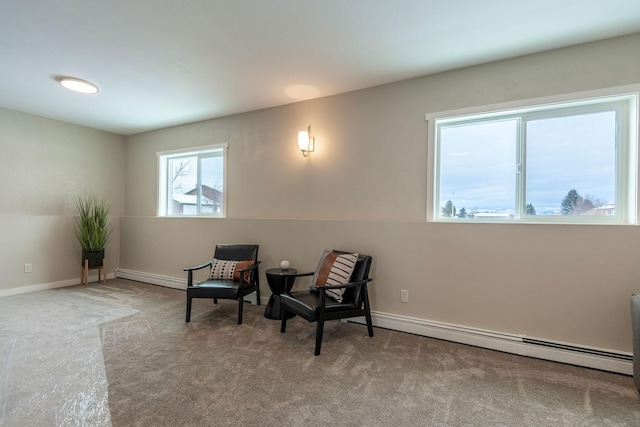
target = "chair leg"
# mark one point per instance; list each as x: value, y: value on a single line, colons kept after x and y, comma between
x: 240, y: 306
x: 369, y: 323
x: 215, y: 300
x: 188, y: 310
x: 283, y: 323
x: 319, y: 329
x: 367, y: 311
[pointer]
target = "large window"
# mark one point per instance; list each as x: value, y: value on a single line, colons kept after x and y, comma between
x: 561, y: 162
x: 192, y: 182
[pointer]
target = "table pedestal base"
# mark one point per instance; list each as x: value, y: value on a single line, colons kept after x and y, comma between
x: 273, y: 309
x: 280, y: 282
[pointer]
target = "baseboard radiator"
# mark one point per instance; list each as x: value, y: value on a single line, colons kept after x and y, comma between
x: 580, y: 350
x: 589, y: 357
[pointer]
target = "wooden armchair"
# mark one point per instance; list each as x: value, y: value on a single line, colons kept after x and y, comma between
x: 322, y: 303
x: 234, y: 274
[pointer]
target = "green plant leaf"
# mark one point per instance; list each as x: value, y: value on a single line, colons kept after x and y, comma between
x: 92, y: 222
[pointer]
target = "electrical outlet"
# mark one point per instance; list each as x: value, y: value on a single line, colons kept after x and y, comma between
x: 404, y: 295
x: 27, y: 268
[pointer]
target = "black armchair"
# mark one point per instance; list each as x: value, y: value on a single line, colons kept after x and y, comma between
x: 318, y: 305
x: 234, y: 274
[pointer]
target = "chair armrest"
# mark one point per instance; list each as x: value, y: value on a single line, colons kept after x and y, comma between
x: 197, y: 267
x: 359, y: 284
x: 346, y: 285
x: 251, y: 267
x: 242, y: 271
x: 190, y: 271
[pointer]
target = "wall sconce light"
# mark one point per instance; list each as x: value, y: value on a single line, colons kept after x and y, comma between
x: 306, y: 143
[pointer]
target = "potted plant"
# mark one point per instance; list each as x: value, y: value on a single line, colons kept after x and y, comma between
x: 92, y: 228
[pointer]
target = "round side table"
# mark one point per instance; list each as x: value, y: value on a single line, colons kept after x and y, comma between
x: 280, y: 282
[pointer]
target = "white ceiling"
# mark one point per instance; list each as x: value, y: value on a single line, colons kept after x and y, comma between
x: 160, y: 63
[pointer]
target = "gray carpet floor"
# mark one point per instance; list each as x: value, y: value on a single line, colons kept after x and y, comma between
x: 121, y: 354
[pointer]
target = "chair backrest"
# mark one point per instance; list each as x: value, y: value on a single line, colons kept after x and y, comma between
x: 234, y: 252
x: 360, y: 272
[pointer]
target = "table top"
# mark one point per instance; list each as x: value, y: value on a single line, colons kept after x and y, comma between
x: 280, y: 272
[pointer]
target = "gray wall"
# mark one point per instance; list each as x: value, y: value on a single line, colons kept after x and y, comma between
x: 364, y: 189
x: 45, y: 165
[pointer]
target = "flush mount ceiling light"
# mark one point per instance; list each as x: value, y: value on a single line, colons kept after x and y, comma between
x: 78, y: 85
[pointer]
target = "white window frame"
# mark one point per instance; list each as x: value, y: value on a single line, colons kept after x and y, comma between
x: 627, y: 153
x: 164, y: 184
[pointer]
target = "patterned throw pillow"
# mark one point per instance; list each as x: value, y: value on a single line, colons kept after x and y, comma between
x: 335, y: 270
x: 314, y: 280
x: 228, y: 270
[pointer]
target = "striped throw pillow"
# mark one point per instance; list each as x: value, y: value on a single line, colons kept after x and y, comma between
x: 336, y: 270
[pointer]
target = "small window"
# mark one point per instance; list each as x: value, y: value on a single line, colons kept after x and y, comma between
x: 568, y: 162
x: 192, y: 182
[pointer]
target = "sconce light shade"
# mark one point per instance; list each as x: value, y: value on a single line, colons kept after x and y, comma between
x: 306, y: 143
x: 303, y: 140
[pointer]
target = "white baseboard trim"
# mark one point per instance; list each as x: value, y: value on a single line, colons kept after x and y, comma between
x: 52, y: 285
x: 166, y: 281
x: 154, y: 279
x: 589, y: 357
